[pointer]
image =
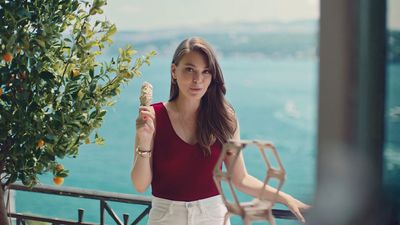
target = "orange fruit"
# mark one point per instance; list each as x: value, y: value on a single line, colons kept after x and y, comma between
x: 40, y: 143
x: 58, y: 180
x: 1, y: 91
x: 7, y: 57
x: 59, y: 167
x: 75, y: 72
x: 87, y: 141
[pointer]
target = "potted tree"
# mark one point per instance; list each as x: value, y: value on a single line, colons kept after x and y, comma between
x: 53, y: 89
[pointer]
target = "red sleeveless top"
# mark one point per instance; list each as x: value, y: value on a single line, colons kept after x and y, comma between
x: 181, y: 171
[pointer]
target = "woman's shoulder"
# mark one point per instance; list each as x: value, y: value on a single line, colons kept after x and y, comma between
x: 158, y: 105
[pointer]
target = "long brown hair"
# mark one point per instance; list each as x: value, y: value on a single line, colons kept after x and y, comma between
x: 215, y: 119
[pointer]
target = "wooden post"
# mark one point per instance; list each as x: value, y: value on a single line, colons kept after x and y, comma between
x: 351, y: 112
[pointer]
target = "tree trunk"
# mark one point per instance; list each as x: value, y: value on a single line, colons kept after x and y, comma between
x: 3, y: 209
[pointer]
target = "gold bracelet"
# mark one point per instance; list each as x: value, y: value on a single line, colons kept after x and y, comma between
x: 143, y: 153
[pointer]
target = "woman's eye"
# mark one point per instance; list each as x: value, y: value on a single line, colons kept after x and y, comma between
x: 206, y: 72
x: 188, y: 69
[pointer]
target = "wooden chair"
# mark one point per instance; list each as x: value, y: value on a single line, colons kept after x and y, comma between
x: 259, y: 208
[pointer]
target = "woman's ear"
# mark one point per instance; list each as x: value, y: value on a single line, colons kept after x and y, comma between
x: 173, y: 70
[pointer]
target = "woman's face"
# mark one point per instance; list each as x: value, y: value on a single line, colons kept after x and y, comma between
x: 192, y: 75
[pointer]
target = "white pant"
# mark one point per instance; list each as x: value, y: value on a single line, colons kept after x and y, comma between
x: 209, y: 211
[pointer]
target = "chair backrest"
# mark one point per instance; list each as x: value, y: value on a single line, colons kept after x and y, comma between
x: 275, y: 171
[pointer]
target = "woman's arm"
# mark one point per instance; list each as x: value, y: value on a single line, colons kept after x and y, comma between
x: 251, y: 185
x: 141, y: 173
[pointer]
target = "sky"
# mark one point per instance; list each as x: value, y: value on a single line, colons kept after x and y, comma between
x: 393, y: 14
x: 156, y: 14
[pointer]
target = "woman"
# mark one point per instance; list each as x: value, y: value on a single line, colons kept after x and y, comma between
x: 178, y: 144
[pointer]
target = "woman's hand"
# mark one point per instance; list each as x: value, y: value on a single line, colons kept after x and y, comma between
x: 145, y: 125
x: 296, y: 207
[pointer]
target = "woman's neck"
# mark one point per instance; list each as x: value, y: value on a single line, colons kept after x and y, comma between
x: 186, y: 107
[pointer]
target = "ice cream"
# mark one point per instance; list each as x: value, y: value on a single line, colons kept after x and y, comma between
x: 146, y: 94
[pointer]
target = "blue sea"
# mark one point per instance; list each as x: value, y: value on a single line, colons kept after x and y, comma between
x: 275, y: 100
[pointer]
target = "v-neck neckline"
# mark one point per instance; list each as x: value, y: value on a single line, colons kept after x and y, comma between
x: 172, y: 128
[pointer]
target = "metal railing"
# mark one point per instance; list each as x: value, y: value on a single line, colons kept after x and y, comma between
x: 103, y: 197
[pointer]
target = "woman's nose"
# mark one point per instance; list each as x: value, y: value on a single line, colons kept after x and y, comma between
x: 196, y: 77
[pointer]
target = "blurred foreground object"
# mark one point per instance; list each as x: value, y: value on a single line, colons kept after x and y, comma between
x: 259, y: 208
x: 351, y: 187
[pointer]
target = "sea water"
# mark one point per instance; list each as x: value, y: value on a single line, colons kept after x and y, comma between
x: 275, y: 100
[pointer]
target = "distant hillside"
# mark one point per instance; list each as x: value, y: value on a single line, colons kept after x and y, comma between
x: 262, y: 40
x: 266, y: 40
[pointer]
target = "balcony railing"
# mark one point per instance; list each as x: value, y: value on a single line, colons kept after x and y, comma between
x: 104, y: 198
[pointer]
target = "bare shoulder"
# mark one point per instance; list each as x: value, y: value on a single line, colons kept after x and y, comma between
x: 166, y: 104
x: 170, y: 109
x: 156, y: 105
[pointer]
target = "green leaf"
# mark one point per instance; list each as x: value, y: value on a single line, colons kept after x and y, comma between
x: 62, y: 173
x: 93, y: 114
x: 131, y: 51
x: 102, y: 113
x: 46, y: 75
x: 81, y: 94
x: 98, y: 140
x: 40, y: 43
x: 92, y: 87
x: 110, y: 103
x: 22, y: 12
x: 50, y: 138
x: 12, y: 179
x: 11, y: 42
x: 91, y: 72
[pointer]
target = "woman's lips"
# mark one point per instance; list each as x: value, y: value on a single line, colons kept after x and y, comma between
x: 195, y: 89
